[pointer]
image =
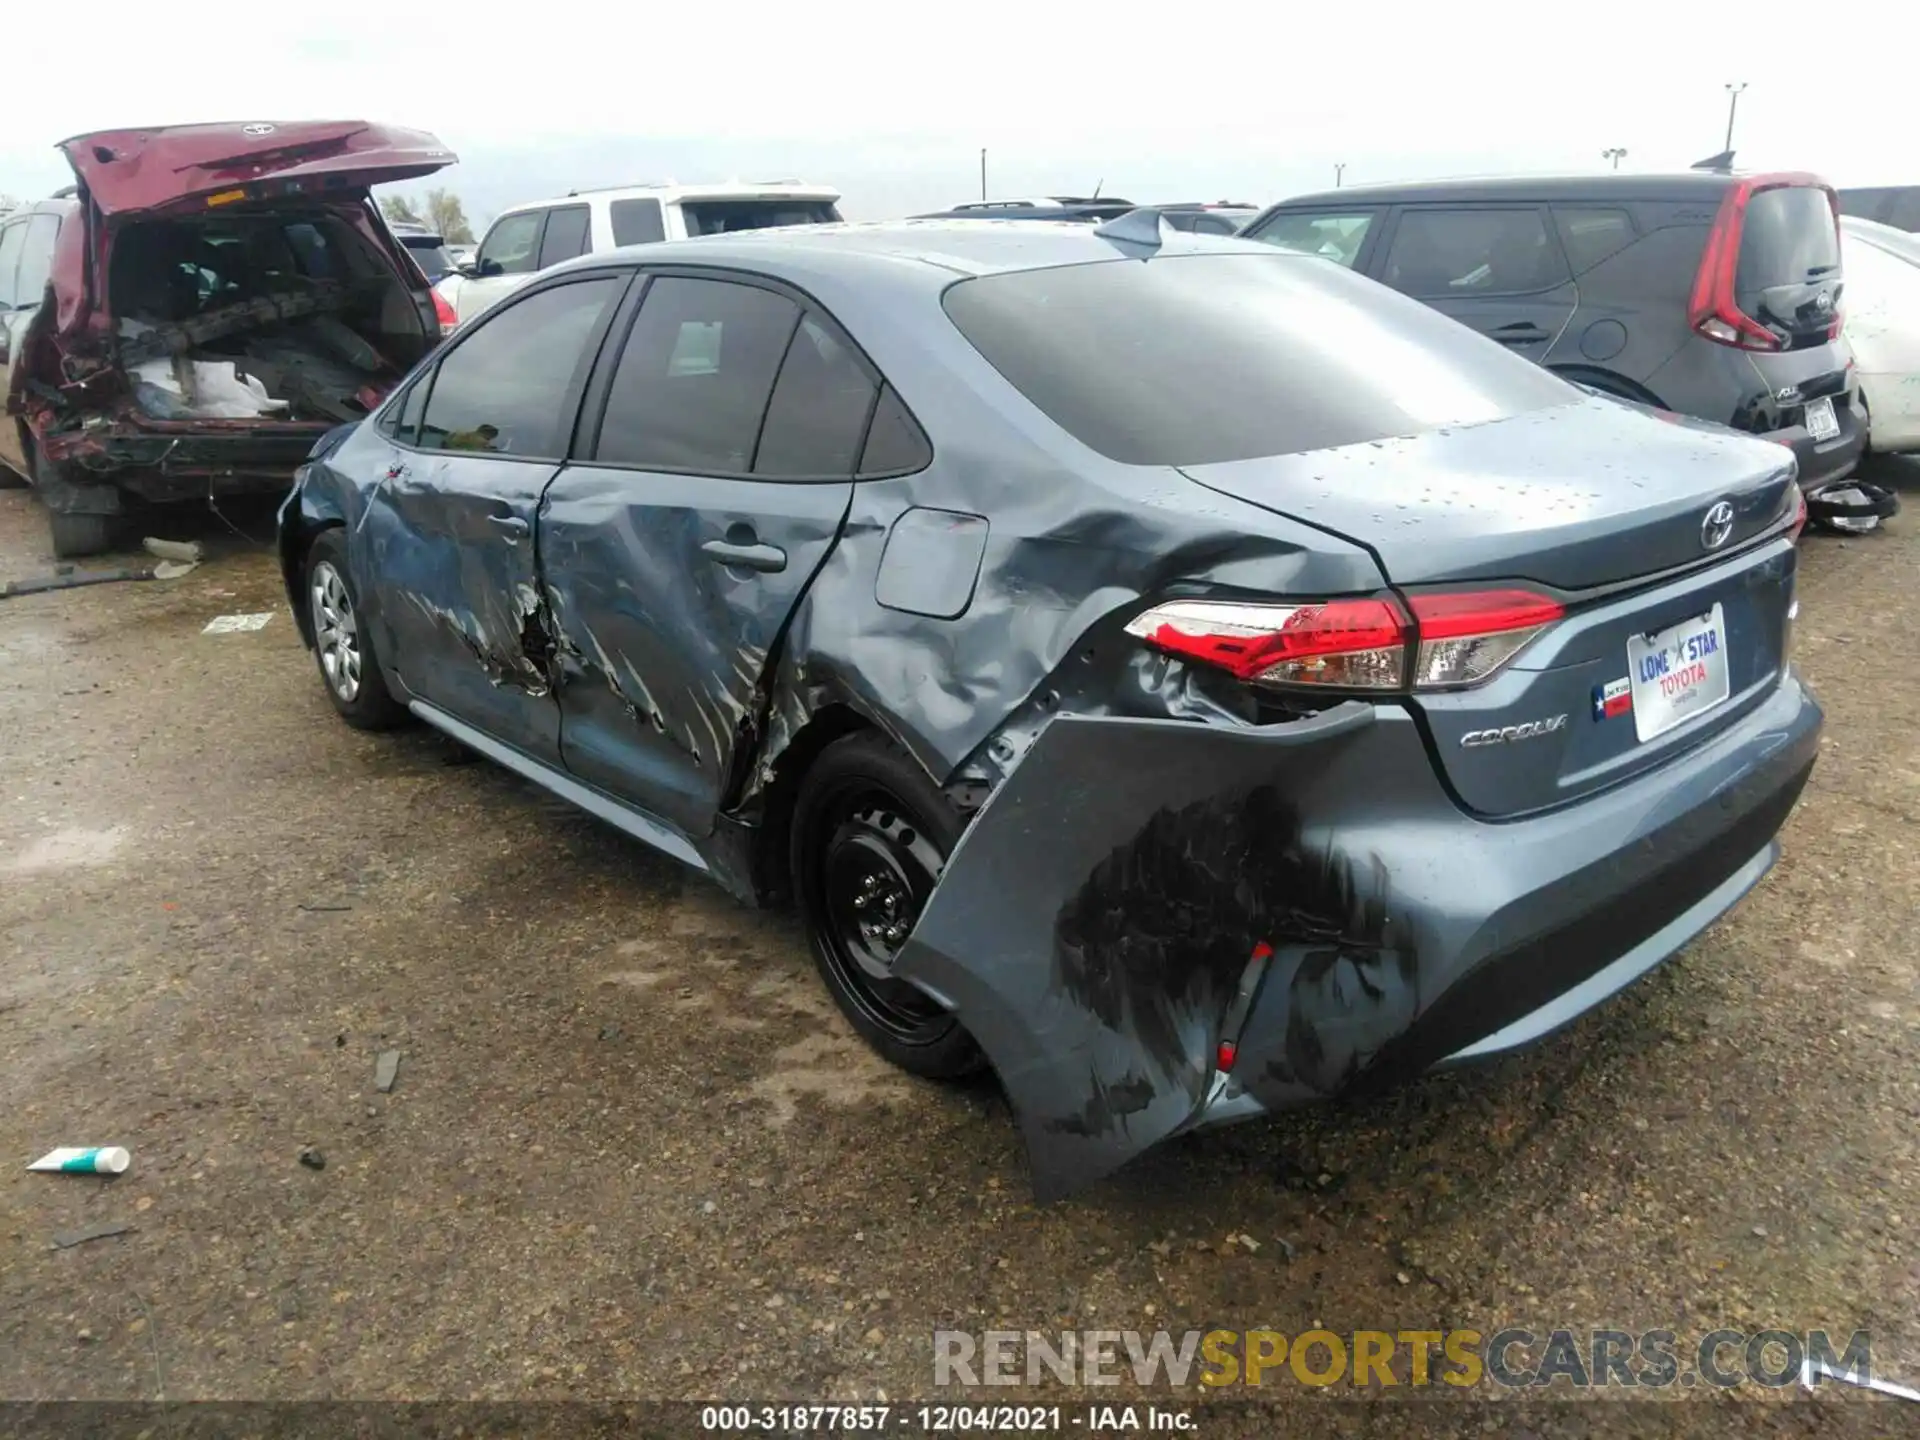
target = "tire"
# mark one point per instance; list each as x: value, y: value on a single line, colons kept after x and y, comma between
x: 77, y: 536
x: 870, y: 836
x: 342, y: 648
x: 74, y: 536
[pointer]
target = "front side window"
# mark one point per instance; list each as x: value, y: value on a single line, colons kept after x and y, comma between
x: 566, y: 235
x: 502, y: 388
x: 695, y: 377
x: 36, y: 260
x: 1441, y: 254
x: 1338, y: 238
x: 12, y: 237
x: 512, y: 244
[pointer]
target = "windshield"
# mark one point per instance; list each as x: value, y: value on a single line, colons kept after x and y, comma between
x: 1197, y: 359
x: 721, y: 217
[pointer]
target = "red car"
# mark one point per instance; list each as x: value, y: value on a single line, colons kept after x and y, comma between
x: 202, y: 306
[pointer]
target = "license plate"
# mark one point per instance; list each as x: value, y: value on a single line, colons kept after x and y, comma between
x: 1678, y: 672
x: 1821, y: 424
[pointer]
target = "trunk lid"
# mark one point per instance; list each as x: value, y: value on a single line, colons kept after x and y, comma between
x: 1606, y: 510
x: 1573, y: 497
x: 180, y: 169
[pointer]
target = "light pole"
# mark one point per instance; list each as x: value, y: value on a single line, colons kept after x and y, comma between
x: 1339, y: 171
x: 1616, y: 155
x: 1733, y: 104
x: 983, y: 172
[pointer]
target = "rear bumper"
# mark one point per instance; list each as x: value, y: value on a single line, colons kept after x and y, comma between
x: 99, y: 467
x: 1571, y: 908
x: 1825, y: 462
x: 1137, y: 887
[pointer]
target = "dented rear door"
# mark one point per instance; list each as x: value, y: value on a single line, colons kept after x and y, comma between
x: 719, y: 476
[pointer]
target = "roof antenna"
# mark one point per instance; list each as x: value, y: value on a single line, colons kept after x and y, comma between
x: 1137, y: 229
x: 1097, y: 184
x: 1722, y: 161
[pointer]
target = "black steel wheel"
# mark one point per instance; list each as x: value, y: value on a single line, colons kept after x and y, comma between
x: 871, y: 835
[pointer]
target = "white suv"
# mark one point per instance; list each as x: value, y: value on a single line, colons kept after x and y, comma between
x: 526, y: 239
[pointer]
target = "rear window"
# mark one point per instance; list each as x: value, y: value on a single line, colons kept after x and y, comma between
x: 1788, y: 239
x: 1198, y: 359
x: 721, y: 217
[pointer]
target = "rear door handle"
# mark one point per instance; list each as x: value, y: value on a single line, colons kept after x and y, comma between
x: 511, y: 524
x: 770, y: 558
x: 1520, y: 334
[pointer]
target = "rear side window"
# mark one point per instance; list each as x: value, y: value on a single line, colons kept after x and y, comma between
x: 403, y: 419
x: 36, y: 259
x: 818, y: 415
x: 1332, y: 237
x: 718, y: 217
x: 695, y: 377
x: 1789, y: 238
x: 1195, y: 359
x: 12, y: 237
x: 566, y: 235
x: 896, y: 445
x: 1590, y: 236
x: 502, y: 388
x: 1438, y: 254
x: 510, y: 244
x: 636, y: 222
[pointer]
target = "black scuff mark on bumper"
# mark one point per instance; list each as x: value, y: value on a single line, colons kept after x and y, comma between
x: 1097, y: 975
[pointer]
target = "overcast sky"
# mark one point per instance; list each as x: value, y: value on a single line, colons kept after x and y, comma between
x: 892, y: 102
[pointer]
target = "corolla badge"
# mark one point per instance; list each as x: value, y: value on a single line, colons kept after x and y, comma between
x: 1505, y: 734
x: 1716, y: 526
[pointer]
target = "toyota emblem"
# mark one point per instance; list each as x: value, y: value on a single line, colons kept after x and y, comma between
x: 1717, y: 526
x: 256, y: 130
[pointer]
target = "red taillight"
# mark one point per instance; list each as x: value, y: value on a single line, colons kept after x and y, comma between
x: 1225, y: 1055
x: 443, y: 312
x: 1354, y: 643
x: 1453, y: 638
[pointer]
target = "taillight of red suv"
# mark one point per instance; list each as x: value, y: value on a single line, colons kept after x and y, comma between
x: 1713, y: 311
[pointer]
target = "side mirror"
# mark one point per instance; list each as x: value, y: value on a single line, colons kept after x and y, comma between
x: 467, y: 270
x: 487, y: 269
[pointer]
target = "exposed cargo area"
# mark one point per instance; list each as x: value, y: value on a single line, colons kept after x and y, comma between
x: 284, y: 317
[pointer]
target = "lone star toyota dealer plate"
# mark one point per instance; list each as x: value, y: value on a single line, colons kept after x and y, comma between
x: 1677, y: 673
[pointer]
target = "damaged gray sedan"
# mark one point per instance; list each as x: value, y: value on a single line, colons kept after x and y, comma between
x: 1191, y: 679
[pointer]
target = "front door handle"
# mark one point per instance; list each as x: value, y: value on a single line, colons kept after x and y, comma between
x: 1521, y: 335
x: 770, y: 558
x: 511, y: 524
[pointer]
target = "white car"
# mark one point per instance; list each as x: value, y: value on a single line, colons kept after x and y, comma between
x: 527, y: 239
x: 1881, y: 303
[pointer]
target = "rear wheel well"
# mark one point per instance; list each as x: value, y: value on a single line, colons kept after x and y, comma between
x: 295, y: 546
x: 1612, y: 384
x: 773, y: 854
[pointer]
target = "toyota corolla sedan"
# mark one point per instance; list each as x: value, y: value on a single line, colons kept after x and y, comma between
x: 1187, y: 677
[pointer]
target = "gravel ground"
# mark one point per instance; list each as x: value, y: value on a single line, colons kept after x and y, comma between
x: 633, y: 1153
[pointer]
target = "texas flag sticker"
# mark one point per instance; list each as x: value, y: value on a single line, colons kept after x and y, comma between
x: 1613, y: 698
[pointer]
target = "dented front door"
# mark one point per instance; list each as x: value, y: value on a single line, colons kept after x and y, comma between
x: 453, y: 549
